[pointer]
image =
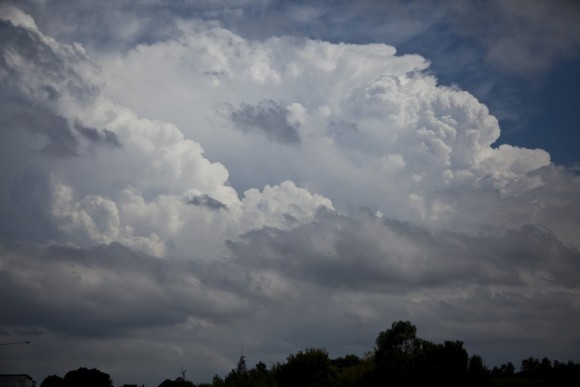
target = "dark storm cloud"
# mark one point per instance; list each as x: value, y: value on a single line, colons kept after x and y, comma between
x: 369, y: 253
x: 25, y: 200
x: 101, y: 291
x: 99, y: 137
x: 206, y: 201
x: 268, y: 118
x: 28, y: 44
x: 48, y: 68
x: 30, y: 92
x: 106, y: 290
x: 50, y: 133
x: 497, y: 289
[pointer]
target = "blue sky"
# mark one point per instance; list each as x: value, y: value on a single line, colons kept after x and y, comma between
x: 180, y: 180
x: 535, y: 111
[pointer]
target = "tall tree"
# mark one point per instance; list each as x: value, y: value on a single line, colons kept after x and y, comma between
x: 53, y: 381
x: 311, y: 368
x: 87, y: 378
x: 239, y: 376
x: 395, y: 353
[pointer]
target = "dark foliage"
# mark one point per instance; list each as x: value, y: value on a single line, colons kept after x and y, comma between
x: 178, y: 382
x: 53, y: 381
x: 81, y: 377
x: 399, y: 358
x: 536, y: 372
x: 309, y: 368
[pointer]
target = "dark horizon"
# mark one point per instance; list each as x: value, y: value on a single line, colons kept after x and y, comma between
x: 399, y: 355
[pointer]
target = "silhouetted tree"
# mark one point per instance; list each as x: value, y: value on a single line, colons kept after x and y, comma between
x: 545, y: 368
x: 309, y: 368
x: 353, y: 371
x: 239, y: 376
x: 53, y: 381
x: 400, y: 338
x: 445, y: 364
x: 260, y: 376
x: 399, y: 358
x: 403, y: 359
x: 395, y: 353
x: 566, y: 374
x: 530, y: 366
x: 217, y: 381
x: 346, y: 362
x: 87, y: 378
x: 504, y: 371
x: 455, y: 362
x: 538, y: 373
x: 178, y: 382
x: 477, y: 373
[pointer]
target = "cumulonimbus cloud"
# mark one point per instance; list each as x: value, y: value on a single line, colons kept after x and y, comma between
x: 131, y: 189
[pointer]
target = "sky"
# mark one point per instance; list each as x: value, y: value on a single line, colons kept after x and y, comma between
x: 184, y: 182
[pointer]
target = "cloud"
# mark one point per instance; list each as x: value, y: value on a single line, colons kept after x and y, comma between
x: 366, y: 117
x: 365, y: 252
x: 103, y: 290
x: 364, y: 269
x: 207, y: 201
x: 95, y: 136
x: 525, y: 40
x: 127, y: 24
x: 133, y: 193
x: 150, y: 198
x: 269, y: 118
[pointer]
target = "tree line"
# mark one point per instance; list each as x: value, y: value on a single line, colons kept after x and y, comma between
x: 399, y: 358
